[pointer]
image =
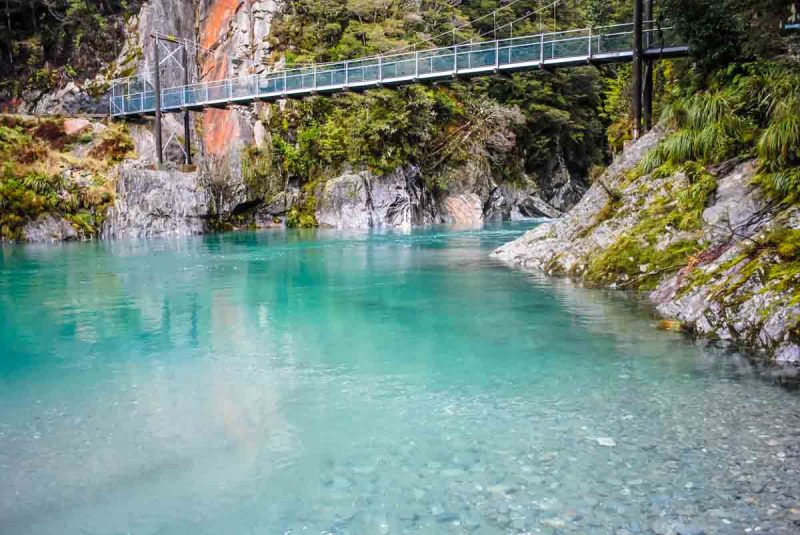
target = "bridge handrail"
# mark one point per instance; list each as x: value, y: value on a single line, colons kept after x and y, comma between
x: 252, y: 86
x: 463, y: 43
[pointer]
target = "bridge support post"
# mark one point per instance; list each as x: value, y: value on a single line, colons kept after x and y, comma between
x: 636, y: 86
x: 187, y: 130
x: 157, y: 95
x: 647, y: 90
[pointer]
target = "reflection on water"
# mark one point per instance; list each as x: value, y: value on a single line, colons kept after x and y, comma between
x: 345, y: 382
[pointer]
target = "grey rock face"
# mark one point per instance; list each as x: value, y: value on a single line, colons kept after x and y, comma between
x: 69, y: 100
x: 49, y: 229
x: 362, y: 200
x: 533, y: 206
x: 737, y: 207
x: 730, y: 303
x: 561, y: 241
x: 157, y: 203
x: 345, y: 202
x: 463, y: 209
x: 401, y: 199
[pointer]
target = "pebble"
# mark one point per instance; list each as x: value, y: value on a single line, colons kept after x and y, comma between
x: 606, y: 442
x: 445, y: 517
x: 452, y: 472
x: 554, y: 523
x: 339, y: 483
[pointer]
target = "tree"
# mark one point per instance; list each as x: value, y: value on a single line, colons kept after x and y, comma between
x: 719, y: 32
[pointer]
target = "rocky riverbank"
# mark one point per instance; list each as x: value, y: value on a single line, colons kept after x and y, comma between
x: 714, y: 255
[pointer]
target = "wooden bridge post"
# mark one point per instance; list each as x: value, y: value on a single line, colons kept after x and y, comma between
x: 157, y: 88
x: 647, y: 90
x: 636, y: 89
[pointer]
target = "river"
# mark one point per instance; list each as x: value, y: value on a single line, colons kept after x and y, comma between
x: 355, y: 383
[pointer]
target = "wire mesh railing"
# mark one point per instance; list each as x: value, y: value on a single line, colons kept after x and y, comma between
x: 136, y: 96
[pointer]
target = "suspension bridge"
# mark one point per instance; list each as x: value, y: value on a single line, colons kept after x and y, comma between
x: 639, y: 41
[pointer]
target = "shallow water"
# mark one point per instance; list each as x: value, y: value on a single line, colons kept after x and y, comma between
x: 321, y: 382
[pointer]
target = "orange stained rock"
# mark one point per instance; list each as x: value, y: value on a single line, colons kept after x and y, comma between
x: 220, y: 126
x: 217, y: 21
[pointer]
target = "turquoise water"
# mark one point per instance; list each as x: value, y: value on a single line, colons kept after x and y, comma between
x: 322, y: 382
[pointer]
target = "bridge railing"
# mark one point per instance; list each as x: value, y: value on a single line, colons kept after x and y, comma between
x: 136, y: 96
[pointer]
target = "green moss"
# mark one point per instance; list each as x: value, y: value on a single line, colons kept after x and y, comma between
x: 773, y: 261
x: 635, y: 262
x: 786, y: 242
x: 260, y: 173
x: 607, y: 212
x: 694, y: 199
x: 783, y: 275
x: 303, y: 214
x: 634, y: 259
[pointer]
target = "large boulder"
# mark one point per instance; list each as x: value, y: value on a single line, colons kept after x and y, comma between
x: 49, y: 229
x: 363, y: 200
x: 157, y: 203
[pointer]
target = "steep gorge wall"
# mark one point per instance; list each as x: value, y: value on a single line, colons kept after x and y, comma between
x: 232, y: 39
x: 234, y: 34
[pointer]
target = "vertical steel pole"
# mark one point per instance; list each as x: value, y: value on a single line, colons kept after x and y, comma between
x: 187, y: 131
x: 159, y: 145
x: 541, y: 50
x: 636, y: 89
x: 647, y: 90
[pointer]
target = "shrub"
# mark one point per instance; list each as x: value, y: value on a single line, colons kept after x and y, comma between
x: 115, y: 144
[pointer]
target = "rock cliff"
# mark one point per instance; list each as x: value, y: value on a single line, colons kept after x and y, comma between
x: 730, y: 274
x: 234, y: 38
x: 157, y: 203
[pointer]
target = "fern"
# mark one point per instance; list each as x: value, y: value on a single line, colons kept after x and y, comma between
x: 708, y: 108
x: 680, y: 146
x: 40, y: 183
x: 779, y: 144
x: 782, y: 184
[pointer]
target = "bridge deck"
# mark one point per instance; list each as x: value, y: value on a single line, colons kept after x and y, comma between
x: 547, y: 50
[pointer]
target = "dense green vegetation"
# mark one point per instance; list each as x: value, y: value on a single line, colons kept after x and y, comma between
x: 737, y: 99
x: 45, y: 171
x: 583, y: 113
x: 516, y: 126
x: 45, y: 43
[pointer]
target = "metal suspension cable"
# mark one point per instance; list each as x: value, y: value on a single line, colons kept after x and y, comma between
x: 511, y: 23
x: 492, y: 14
x: 442, y: 34
x: 185, y: 41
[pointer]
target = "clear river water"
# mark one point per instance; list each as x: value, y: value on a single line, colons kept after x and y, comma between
x: 325, y: 382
